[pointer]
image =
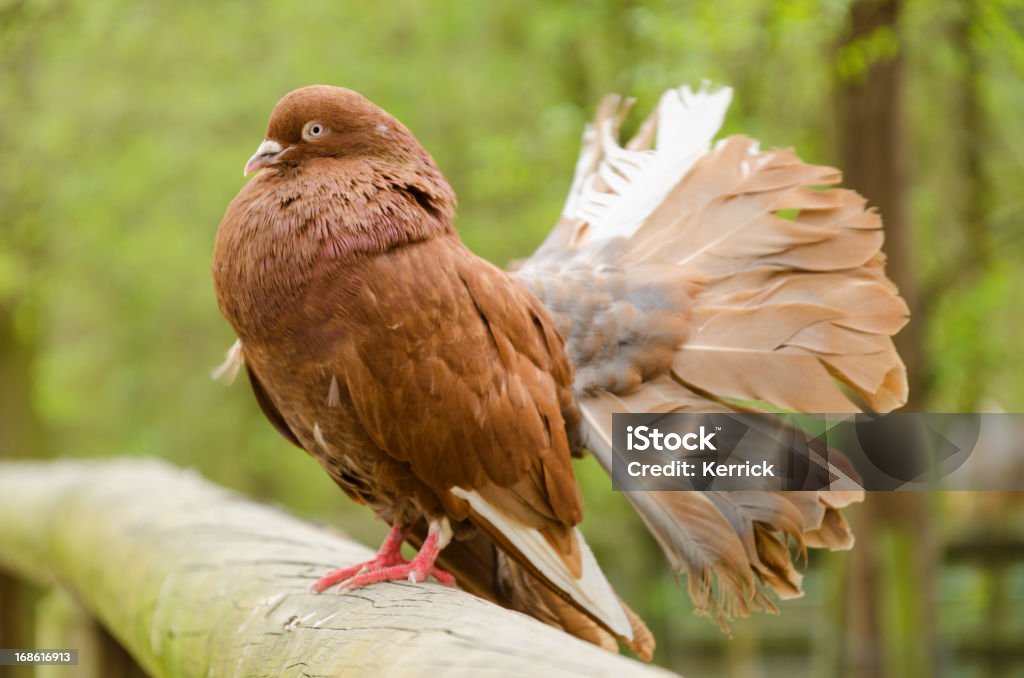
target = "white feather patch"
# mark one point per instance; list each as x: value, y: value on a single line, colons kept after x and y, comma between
x: 443, y: 529
x: 638, y: 181
x: 333, y: 393
x: 318, y: 436
x: 584, y: 165
x: 228, y: 370
x: 591, y: 591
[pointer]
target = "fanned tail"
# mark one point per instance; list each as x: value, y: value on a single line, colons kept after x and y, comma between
x: 703, y: 279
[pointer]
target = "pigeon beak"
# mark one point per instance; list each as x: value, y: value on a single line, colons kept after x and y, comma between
x: 267, y: 154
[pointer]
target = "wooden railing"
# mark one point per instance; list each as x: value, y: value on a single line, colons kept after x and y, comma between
x: 194, y: 580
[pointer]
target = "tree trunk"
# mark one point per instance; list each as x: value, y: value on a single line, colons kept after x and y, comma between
x: 891, y: 586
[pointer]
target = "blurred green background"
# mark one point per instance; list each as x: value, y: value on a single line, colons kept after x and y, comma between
x: 124, y: 127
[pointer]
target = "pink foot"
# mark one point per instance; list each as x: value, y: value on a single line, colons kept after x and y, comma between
x: 389, y: 565
x: 389, y: 554
x: 414, y: 571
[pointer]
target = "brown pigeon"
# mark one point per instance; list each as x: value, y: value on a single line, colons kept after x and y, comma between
x: 450, y: 396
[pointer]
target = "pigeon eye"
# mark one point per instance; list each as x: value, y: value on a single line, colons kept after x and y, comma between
x: 314, y: 130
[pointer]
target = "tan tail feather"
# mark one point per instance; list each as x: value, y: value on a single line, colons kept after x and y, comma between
x: 487, y: 572
x: 525, y: 592
x: 589, y: 591
x: 731, y: 545
x: 787, y: 303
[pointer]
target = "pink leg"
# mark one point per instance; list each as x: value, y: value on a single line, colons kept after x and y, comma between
x: 389, y: 553
x: 380, y: 569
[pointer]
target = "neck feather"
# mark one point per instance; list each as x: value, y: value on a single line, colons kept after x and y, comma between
x: 286, y: 230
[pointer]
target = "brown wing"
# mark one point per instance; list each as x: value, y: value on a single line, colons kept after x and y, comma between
x: 455, y: 369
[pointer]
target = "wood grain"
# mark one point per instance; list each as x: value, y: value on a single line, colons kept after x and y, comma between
x: 195, y: 580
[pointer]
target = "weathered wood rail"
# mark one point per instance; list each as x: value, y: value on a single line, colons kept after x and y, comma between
x: 195, y: 580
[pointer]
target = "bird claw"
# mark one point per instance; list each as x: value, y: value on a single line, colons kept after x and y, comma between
x: 411, y: 571
x: 389, y: 565
x: 343, y: 574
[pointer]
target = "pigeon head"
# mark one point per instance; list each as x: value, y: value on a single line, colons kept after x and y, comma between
x: 331, y: 122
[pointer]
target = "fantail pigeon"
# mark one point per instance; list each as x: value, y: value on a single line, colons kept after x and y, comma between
x: 450, y: 396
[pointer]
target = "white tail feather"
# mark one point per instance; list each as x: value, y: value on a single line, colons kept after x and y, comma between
x: 591, y: 591
x: 629, y: 184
